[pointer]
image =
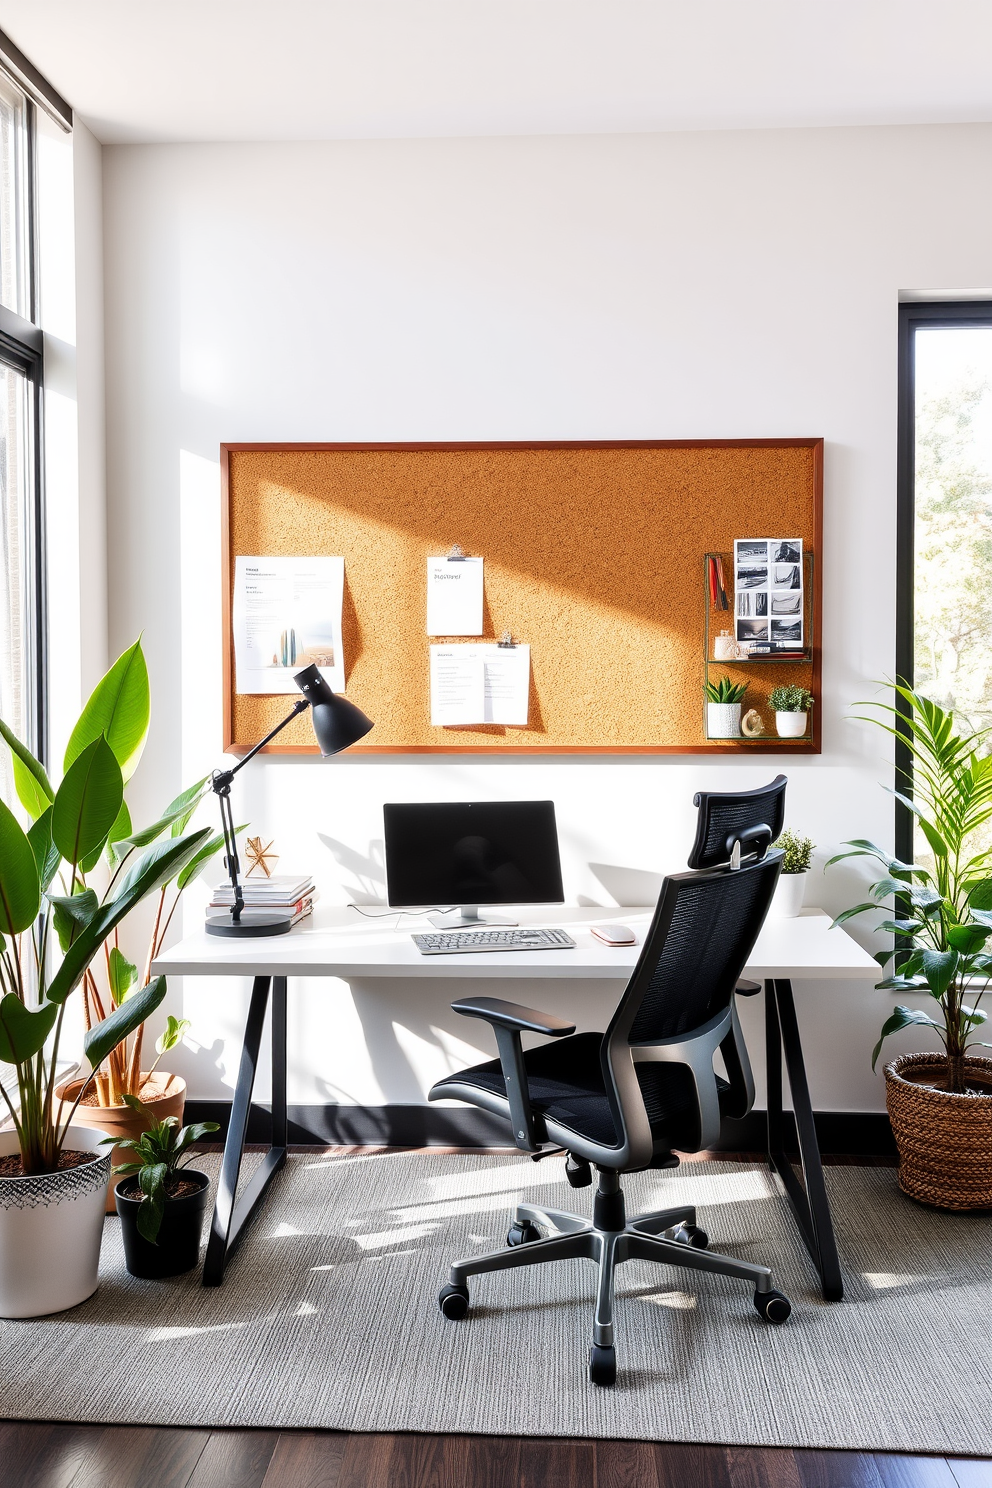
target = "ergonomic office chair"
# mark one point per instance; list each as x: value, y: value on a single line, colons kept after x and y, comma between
x: 622, y: 1100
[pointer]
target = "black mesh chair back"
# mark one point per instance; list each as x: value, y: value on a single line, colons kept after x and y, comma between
x: 754, y: 818
x: 698, y: 944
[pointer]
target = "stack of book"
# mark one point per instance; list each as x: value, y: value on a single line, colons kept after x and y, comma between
x: 283, y: 892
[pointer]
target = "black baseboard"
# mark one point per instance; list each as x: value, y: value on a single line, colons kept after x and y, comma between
x: 840, y: 1133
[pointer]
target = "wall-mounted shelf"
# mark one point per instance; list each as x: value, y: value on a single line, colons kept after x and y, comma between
x: 805, y: 669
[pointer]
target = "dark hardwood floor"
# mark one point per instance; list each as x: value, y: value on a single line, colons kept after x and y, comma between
x: 38, y: 1455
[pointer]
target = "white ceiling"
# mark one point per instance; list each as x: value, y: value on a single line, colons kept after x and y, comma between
x: 159, y: 70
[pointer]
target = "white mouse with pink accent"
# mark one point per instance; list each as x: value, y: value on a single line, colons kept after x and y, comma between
x: 614, y: 935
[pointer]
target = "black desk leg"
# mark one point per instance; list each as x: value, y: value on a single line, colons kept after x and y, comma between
x: 232, y: 1210
x: 809, y: 1197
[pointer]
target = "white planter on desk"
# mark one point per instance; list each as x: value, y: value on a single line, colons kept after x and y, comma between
x: 789, y: 895
x: 723, y: 720
x: 791, y: 725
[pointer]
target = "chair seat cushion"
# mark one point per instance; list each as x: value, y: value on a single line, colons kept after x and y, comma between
x: 566, y: 1085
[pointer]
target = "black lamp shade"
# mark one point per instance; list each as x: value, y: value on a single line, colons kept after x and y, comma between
x: 337, y: 723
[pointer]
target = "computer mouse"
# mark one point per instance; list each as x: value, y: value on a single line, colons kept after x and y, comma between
x: 614, y: 934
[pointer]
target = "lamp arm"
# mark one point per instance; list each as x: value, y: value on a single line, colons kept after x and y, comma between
x: 220, y: 782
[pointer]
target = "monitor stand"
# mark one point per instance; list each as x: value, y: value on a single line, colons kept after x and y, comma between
x: 467, y: 917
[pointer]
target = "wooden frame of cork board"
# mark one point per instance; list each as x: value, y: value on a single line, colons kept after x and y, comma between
x: 593, y: 554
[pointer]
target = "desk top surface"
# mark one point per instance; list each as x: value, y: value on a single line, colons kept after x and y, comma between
x: 341, y: 942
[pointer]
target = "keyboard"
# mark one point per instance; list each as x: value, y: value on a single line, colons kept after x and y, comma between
x: 457, y: 942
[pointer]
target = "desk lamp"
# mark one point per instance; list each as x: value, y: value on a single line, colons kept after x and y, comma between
x: 337, y: 723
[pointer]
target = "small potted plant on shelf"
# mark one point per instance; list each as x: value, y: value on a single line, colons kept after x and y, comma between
x: 939, y: 1103
x: 53, y: 1176
x: 723, y: 708
x: 791, y: 888
x: 791, y: 705
x: 162, y: 1206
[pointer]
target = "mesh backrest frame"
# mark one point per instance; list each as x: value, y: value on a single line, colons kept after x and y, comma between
x: 723, y: 813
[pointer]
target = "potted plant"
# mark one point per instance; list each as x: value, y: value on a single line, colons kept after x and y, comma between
x: 53, y: 1176
x: 791, y: 888
x: 723, y: 708
x: 162, y: 1206
x: 791, y: 705
x: 939, y: 1103
x: 119, y: 710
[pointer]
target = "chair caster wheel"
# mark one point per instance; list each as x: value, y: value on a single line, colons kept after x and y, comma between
x: 602, y: 1365
x: 772, y: 1306
x: 690, y: 1234
x: 578, y: 1172
x: 522, y: 1234
x: 453, y: 1301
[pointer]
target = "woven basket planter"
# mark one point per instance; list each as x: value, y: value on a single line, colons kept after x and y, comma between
x: 944, y: 1140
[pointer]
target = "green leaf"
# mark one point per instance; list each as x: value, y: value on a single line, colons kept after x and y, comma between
x: 158, y: 866
x: 171, y: 817
x: 152, y: 1181
x: 72, y: 913
x: 23, y: 1031
x: 118, y: 708
x: 203, y: 857
x: 173, y: 1034
x: 31, y: 782
x: 847, y: 914
x: 981, y: 895
x: 903, y: 1017
x: 973, y: 1016
x: 118, y: 834
x: 939, y: 968
x: 20, y: 884
x: 934, y: 838
x: 900, y: 927
x: 87, y: 802
x: 968, y: 939
x: 122, y: 974
x: 115, y: 1027
x: 187, y: 801
x: 46, y: 855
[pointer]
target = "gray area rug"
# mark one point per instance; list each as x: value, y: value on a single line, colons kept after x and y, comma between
x: 328, y: 1318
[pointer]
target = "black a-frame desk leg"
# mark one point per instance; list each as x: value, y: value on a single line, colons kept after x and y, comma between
x: 233, y: 1210
x: 809, y: 1197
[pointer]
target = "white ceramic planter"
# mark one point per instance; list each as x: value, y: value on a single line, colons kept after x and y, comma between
x: 50, y: 1231
x: 790, y: 725
x: 790, y: 891
x: 723, y: 720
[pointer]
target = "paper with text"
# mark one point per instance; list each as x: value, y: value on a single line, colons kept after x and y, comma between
x: 480, y: 684
x: 286, y: 616
x: 454, y: 596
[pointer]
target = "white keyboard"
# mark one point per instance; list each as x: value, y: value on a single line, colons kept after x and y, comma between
x: 456, y: 942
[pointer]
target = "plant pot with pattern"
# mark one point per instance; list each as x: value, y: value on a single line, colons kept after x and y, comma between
x: 162, y: 1205
x: 723, y: 708
x: 939, y: 1103
x: 50, y: 1249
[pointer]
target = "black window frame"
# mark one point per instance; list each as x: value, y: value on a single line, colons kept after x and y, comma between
x: 22, y: 347
x: 913, y: 315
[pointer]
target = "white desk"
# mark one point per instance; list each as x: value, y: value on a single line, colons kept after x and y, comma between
x: 342, y: 943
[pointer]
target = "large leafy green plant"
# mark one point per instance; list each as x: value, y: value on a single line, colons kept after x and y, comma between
x: 45, y: 898
x: 943, y: 919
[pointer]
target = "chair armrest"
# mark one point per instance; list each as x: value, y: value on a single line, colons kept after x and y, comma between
x: 508, y: 1021
x: 511, y: 1015
x: 747, y: 989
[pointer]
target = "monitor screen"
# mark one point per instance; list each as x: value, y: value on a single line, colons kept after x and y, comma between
x: 472, y: 852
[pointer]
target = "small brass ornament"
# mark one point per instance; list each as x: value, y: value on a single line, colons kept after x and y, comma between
x: 259, y: 856
x: 751, y: 724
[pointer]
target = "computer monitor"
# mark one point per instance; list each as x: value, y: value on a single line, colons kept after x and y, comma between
x: 467, y: 853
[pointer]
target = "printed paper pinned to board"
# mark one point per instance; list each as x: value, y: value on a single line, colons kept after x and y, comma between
x: 454, y: 596
x: 480, y: 684
x: 287, y: 615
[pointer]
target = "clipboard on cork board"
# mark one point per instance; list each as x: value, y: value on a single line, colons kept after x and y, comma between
x: 593, y: 556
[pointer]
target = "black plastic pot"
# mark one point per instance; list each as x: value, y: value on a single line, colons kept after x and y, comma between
x: 178, y: 1247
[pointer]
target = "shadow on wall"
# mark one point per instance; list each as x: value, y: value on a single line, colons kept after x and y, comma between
x: 628, y: 886
x: 367, y: 871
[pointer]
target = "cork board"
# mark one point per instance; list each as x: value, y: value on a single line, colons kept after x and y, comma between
x: 593, y: 554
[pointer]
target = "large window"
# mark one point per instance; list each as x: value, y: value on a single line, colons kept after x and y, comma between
x: 944, y: 641
x: 22, y: 590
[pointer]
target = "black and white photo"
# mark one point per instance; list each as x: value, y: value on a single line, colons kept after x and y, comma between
x: 768, y: 590
x: 787, y: 551
x: 787, y: 630
x: 786, y: 576
x: 789, y: 603
x: 752, y: 630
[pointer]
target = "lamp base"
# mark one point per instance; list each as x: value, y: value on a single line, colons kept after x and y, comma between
x: 252, y: 922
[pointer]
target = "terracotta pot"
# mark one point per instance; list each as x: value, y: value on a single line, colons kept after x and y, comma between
x: 51, y: 1226
x: 164, y: 1093
x: 944, y: 1140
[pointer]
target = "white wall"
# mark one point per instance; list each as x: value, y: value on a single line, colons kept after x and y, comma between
x: 684, y: 285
